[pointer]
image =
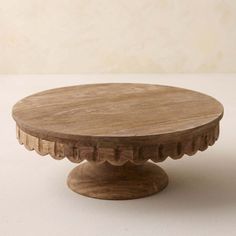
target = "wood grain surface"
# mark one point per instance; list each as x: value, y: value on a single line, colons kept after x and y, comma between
x: 118, y: 122
x: 117, y: 128
x: 129, y: 181
x: 114, y: 110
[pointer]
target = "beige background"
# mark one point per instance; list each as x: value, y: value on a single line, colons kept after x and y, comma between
x: 77, y: 36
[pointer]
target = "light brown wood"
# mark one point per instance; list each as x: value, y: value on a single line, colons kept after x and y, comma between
x: 120, y: 154
x: 117, y: 123
x: 129, y: 181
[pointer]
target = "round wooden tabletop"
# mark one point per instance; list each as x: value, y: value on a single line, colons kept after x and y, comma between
x: 115, y: 115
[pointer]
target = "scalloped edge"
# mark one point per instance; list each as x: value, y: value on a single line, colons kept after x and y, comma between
x: 120, y: 155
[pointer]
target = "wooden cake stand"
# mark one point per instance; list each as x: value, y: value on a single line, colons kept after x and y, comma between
x: 117, y: 129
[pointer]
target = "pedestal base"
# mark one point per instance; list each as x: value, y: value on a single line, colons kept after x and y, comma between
x: 105, y: 181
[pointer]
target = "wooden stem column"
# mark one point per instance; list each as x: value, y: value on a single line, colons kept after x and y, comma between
x: 106, y: 181
x: 118, y: 129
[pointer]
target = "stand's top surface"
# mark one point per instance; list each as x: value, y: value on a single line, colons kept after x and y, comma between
x: 101, y: 111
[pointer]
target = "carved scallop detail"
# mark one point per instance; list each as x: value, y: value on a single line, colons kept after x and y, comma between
x: 120, y: 155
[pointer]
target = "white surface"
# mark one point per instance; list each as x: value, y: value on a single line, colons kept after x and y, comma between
x: 200, y: 199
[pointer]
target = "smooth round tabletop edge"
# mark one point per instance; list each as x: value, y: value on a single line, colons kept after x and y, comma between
x: 53, y: 135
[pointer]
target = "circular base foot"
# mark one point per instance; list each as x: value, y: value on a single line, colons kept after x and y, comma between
x: 105, y: 181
